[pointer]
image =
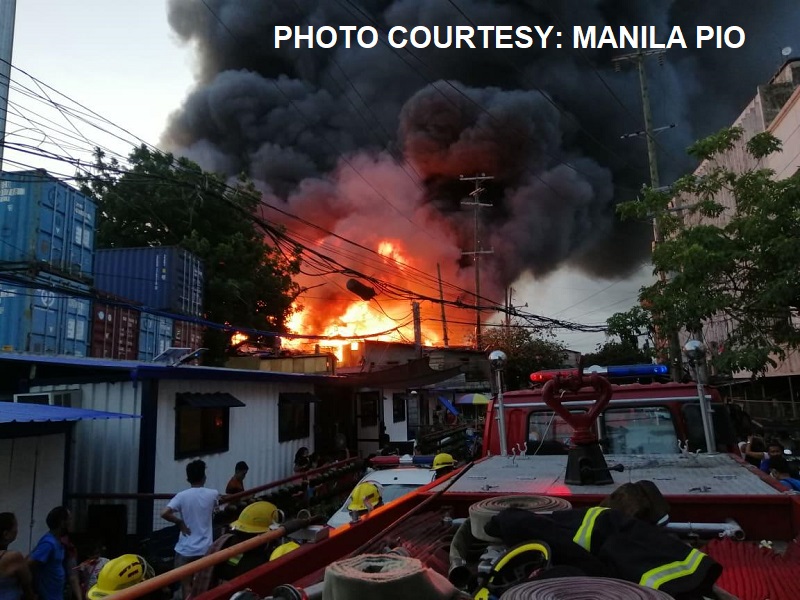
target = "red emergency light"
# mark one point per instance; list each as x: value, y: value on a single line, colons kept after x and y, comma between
x: 396, y: 461
x: 612, y: 372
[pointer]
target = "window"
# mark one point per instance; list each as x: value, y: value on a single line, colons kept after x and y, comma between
x: 398, y: 408
x: 201, y: 431
x: 547, y: 434
x: 640, y: 430
x: 369, y: 408
x: 294, y: 420
x: 202, y: 423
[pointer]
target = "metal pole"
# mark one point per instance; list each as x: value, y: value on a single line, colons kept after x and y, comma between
x: 477, y: 246
x: 658, y: 238
x: 477, y: 205
x: 417, y: 328
x: 501, y: 417
x: 708, y: 421
x: 673, y: 341
x: 8, y: 9
x: 441, y: 298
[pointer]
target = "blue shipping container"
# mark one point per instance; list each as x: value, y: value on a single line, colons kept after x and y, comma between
x: 155, y: 335
x: 45, y: 320
x: 165, y: 278
x: 46, y: 221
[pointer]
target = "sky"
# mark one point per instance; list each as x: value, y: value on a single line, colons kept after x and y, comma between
x: 123, y: 61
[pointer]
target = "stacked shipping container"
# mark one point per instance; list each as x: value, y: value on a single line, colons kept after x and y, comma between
x: 115, y: 332
x: 46, y: 255
x: 155, y: 335
x: 46, y: 222
x: 46, y: 319
x: 163, y: 277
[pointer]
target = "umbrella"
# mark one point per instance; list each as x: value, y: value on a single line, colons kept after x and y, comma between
x: 473, y: 399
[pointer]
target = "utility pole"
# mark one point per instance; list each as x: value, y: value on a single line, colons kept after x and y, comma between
x: 441, y: 299
x: 676, y: 362
x: 8, y: 9
x: 476, y: 205
x: 417, y: 328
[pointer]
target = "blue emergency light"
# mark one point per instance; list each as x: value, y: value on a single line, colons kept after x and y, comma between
x: 406, y: 459
x: 612, y: 372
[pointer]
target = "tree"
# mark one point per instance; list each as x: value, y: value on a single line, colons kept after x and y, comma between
x: 526, y: 352
x: 163, y: 201
x: 742, y: 272
x: 634, y: 329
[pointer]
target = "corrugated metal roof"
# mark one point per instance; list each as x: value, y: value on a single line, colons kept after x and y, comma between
x: 19, y: 412
x: 129, y: 369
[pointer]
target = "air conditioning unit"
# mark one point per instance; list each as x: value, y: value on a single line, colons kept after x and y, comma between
x: 68, y: 398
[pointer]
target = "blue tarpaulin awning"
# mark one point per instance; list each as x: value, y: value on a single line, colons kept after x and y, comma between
x: 20, y: 412
x: 450, y: 408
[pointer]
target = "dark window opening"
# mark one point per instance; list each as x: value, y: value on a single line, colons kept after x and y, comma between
x: 200, y: 431
x: 294, y: 418
x: 398, y: 408
x: 369, y: 409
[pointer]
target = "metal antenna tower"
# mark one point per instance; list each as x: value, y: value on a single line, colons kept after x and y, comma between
x: 476, y: 204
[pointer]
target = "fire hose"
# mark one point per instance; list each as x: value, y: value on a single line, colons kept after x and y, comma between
x: 482, y: 512
x: 582, y: 588
x: 175, y: 575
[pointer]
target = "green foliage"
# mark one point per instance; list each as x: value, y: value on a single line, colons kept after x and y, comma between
x: 164, y: 201
x: 634, y: 329
x: 739, y: 266
x: 526, y: 352
x: 616, y: 353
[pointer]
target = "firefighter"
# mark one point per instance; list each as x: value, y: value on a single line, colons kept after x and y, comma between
x: 605, y: 542
x: 365, y: 498
x: 283, y: 549
x: 443, y: 464
x: 123, y: 572
x: 255, y: 519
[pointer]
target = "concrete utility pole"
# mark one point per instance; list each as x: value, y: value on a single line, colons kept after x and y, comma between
x: 676, y: 362
x: 8, y: 9
x: 476, y: 204
x: 441, y: 298
x: 417, y: 328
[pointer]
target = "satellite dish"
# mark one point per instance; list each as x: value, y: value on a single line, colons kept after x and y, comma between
x: 786, y: 51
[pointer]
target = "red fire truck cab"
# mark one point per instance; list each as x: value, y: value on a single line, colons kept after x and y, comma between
x: 641, y: 418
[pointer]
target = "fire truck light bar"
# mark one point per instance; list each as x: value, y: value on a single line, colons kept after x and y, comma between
x: 617, y: 371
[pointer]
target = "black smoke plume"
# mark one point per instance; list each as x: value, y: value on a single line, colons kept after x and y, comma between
x: 370, y: 143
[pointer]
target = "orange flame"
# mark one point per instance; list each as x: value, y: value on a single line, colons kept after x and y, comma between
x: 338, y: 315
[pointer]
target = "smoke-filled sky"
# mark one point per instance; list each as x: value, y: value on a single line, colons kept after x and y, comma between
x: 369, y: 143
x: 349, y: 138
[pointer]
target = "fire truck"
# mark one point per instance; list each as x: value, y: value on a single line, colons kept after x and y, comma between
x: 644, y: 416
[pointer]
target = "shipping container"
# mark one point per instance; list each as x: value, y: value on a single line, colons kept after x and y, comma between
x: 187, y: 335
x: 115, y: 332
x: 43, y: 220
x: 155, y: 335
x: 164, y: 278
x: 46, y: 320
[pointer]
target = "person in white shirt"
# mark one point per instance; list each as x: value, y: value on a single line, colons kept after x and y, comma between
x: 192, y: 510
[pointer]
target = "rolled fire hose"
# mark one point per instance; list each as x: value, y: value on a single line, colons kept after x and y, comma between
x: 481, y: 513
x: 582, y: 588
x: 459, y: 573
x: 388, y: 577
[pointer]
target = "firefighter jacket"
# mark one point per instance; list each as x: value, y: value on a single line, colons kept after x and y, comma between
x: 604, y: 542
